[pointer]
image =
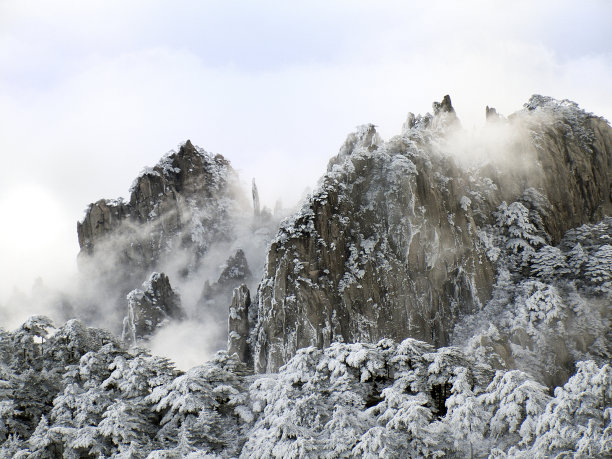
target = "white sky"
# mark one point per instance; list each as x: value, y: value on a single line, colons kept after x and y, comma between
x: 93, y: 91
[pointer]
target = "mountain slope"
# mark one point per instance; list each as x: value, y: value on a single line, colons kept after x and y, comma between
x: 398, y: 240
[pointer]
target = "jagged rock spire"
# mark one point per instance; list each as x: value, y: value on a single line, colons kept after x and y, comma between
x: 256, y: 205
x: 238, y: 324
x: 149, y: 307
x: 444, y: 114
x: 443, y: 107
x: 236, y: 270
x: 491, y: 114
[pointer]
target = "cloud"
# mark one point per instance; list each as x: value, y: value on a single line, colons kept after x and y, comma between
x: 186, y: 343
x: 35, y: 235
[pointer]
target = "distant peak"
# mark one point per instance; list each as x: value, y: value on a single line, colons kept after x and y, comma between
x: 188, y: 145
x: 444, y: 114
x: 491, y: 114
x: 443, y: 107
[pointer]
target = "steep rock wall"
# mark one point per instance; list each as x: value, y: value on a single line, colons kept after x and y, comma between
x: 392, y: 243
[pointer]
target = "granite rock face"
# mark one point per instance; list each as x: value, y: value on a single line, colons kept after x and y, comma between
x: 150, y: 307
x: 238, y: 324
x: 395, y: 241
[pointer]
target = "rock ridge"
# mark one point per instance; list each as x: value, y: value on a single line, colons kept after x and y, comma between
x: 393, y: 243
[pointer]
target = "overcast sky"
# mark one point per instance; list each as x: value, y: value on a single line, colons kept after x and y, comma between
x: 92, y: 91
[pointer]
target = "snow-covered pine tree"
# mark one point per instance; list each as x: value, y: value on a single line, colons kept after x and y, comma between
x: 199, y: 407
x: 466, y: 415
x: 578, y: 417
x: 576, y: 261
x: 549, y: 263
x: 598, y: 270
x: 123, y: 428
x: 515, y: 402
x: 522, y: 238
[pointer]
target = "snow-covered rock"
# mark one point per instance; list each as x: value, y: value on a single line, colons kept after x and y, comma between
x: 238, y: 324
x: 150, y: 307
x: 400, y: 239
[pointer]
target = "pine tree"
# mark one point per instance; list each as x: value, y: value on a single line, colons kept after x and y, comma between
x: 598, y: 270
x: 466, y: 415
x: 578, y: 416
x: 124, y: 427
x: 192, y: 403
x: 549, y: 263
x: 522, y: 238
x: 292, y: 408
x: 44, y: 443
x: 576, y: 261
x: 515, y: 402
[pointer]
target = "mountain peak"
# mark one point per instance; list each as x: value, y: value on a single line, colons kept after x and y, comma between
x: 445, y: 106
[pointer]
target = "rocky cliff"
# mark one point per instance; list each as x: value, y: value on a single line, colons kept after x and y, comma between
x: 178, y: 211
x: 401, y: 238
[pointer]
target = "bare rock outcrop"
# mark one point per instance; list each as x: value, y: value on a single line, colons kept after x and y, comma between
x: 235, y: 272
x: 182, y: 202
x: 445, y: 106
x: 393, y: 243
x: 238, y: 324
x: 103, y: 217
x: 491, y: 114
x: 150, y: 307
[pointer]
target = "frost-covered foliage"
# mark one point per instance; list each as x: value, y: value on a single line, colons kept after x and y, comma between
x: 82, y: 395
x: 519, y: 235
x: 552, y: 308
x: 351, y: 400
x: 89, y: 397
x: 202, y: 409
x: 565, y: 115
x: 549, y: 262
x: 577, y: 420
